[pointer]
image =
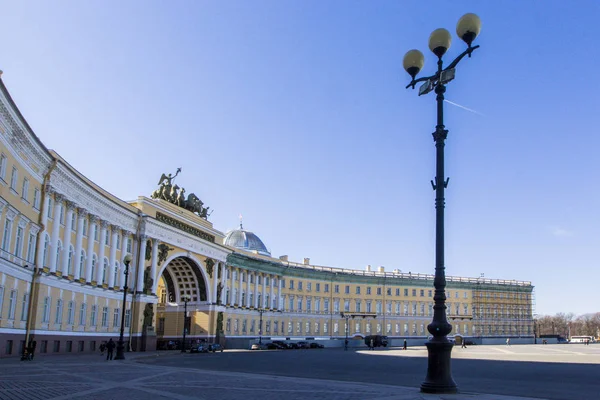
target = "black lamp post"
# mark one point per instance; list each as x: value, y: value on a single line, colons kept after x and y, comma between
x: 346, y: 317
x: 439, y: 348
x: 121, y: 346
x: 185, y: 299
x: 260, y: 311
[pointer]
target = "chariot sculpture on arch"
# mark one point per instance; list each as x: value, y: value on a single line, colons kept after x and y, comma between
x: 171, y: 192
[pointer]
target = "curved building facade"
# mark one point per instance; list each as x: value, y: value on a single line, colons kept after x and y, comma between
x: 64, y: 240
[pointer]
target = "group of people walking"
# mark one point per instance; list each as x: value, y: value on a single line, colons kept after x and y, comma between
x: 109, y: 347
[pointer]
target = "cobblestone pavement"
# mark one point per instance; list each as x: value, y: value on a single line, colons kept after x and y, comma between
x: 90, y: 377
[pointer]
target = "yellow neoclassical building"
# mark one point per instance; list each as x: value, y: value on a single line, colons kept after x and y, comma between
x: 64, y: 240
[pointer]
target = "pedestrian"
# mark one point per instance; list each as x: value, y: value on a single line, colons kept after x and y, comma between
x: 464, y: 344
x: 371, y: 344
x: 405, y: 345
x: 110, y: 346
x: 508, y: 341
x: 346, y: 344
x: 31, y: 349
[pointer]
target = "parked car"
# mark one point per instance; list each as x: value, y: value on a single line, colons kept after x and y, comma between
x: 283, y: 345
x: 316, y: 346
x: 303, y: 345
x: 274, y: 346
x: 199, y: 348
x: 214, y: 347
x: 258, y: 346
x: 293, y: 345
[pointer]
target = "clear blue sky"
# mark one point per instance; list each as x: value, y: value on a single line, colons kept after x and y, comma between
x: 294, y: 114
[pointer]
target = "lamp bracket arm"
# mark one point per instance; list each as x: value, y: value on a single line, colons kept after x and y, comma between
x: 468, y: 52
x: 423, y: 79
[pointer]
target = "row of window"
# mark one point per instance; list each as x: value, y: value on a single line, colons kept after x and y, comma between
x: 502, y: 295
x: 14, y: 179
x: 244, y: 326
x: 70, y: 317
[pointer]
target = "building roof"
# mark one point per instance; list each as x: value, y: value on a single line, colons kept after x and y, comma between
x: 246, y: 240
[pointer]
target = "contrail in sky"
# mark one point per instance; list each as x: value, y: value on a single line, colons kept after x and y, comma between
x: 464, y: 108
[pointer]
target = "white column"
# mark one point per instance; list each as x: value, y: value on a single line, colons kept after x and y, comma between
x: 155, y: 244
x: 81, y: 215
x: 223, y: 282
x: 239, y: 299
x: 279, y: 297
x: 44, y: 220
x: 215, y: 280
x: 101, y: 247
x: 256, y: 275
x: 58, y: 199
x: 124, y: 238
x: 90, y: 249
x: 248, y: 289
x: 263, y: 298
x: 67, y: 239
x: 270, y: 305
x: 231, y: 286
x: 141, y: 262
x: 113, y: 256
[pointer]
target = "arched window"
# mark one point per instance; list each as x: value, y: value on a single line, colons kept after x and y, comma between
x: 46, y: 247
x: 70, y: 261
x: 93, y: 267
x: 104, y: 271
x: 58, y: 251
x: 82, y: 265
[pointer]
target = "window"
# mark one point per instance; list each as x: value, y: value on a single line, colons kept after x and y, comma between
x: 414, y: 292
x: 118, y: 242
x: 358, y: 290
x: 82, y: 264
x: 397, y: 292
x: 13, y: 179
x: 308, y: 305
x: 6, y: 235
x: 357, y: 306
x: 397, y: 309
x: 105, y: 316
x: 12, y: 304
x: 116, y: 318
x: 422, y: 293
x: 106, y: 238
x: 369, y: 306
x: 36, y: 198
x: 429, y: 293
x: 317, y: 305
x: 9, y: 346
x: 318, y: 287
x: 308, y: 286
x: 50, y: 201
x: 291, y: 304
x: 406, y: 292
x: 70, y: 261
x: 31, y: 247
x: 58, y: 252
x: 128, y: 318
x: 291, y: 284
x: 46, y: 315
x: 378, y: 307
x: 93, y: 267
x: 347, y: 305
x: 116, y: 275
x: 71, y: 313
x: 336, y: 289
x: 85, y: 227
x: 59, y: 310
x: 62, y: 215
x: 300, y: 305
x: 25, y: 191
x: 336, y: 306
x: 128, y: 244
x: 56, y: 346
x: 378, y: 291
x: 19, y: 242
x: 82, y: 312
x: 96, y: 233
x: 94, y: 315
x: 73, y: 222
x: 326, y: 305
x: 24, y: 307
x: 44, y: 346
x: 299, y: 285
x: 3, y: 166
x: 104, y: 271
x: 347, y: 289
x: 327, y: 288
x: 368, y: 289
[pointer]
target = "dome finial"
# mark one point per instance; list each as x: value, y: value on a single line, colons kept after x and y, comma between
x: 241, y: 227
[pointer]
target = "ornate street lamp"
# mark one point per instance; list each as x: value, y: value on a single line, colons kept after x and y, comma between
x: 121, y: 346
x: 260, y: 311
x: 439, y: 348
x: 185, y: 299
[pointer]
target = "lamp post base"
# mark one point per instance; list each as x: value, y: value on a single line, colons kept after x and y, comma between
x: 439, y: 376
x: 120, y: 351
